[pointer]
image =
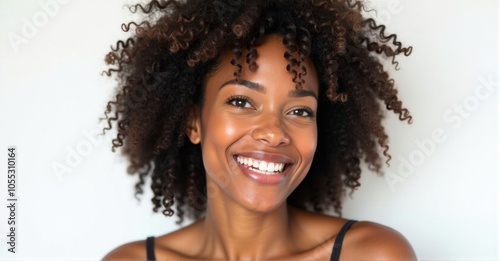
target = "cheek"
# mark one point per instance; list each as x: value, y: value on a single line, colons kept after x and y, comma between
x: 221, y: 129
x: 219, y: 132
x: 306, y: 142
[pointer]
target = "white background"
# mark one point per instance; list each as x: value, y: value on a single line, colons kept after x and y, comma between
x: 443, y: 196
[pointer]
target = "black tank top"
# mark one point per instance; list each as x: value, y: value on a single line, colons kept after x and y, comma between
x: 337, y: 246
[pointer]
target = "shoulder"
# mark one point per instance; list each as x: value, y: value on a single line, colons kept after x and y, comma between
x: 312, y: 227
x: 362, y: 241
x: 175, y: 245
x: 369, y: 240
x: 137, y: 251
x: 133, y: 250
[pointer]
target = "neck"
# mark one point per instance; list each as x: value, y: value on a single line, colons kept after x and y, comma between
x: 232, y: 232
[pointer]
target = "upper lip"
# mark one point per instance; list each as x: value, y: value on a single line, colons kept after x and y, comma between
x: 268, y: 157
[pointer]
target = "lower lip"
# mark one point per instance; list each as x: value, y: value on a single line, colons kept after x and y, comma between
x: 263, y: 178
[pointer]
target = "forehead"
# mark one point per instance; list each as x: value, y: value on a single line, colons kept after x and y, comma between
x: 272, y: 66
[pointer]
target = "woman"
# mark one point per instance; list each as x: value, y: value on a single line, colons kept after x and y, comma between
x: 252, y: 118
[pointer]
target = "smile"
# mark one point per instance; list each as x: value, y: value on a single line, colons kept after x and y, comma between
x: 260, y: 166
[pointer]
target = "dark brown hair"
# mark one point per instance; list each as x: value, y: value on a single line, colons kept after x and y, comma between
x: 162, y: 67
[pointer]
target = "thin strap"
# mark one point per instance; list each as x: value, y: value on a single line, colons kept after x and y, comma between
x: 150, y: 248
x: 338, y: 240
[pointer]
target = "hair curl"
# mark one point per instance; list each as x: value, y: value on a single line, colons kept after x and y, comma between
x: 162, y: 67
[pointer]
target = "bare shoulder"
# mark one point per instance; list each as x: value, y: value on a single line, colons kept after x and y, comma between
x: 369, y: 240
x: 363, y: 241
x: 174, y: 245
x: 314, y: 227
x: 137, y: 251
x: 130, y: 251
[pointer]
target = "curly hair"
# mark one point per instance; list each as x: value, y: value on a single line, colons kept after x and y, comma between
x: 161, y: 71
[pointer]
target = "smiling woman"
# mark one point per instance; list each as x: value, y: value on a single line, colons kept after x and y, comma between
x: 247, y: 129
x: 253, y: 120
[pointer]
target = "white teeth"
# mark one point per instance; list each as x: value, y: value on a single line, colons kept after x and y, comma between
x: 255, y: 164
x: 268, y: 168
x: 263, y: 166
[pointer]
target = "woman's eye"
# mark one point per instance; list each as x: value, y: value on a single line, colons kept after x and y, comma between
x: 302, y: 113
x: 239, y: 102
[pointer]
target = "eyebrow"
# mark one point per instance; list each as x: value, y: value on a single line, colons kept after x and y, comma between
x: 260, y: 88
x: 252, y: 85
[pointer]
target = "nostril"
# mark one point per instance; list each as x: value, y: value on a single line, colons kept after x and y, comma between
x: 271, y: 131
x: 271, y: 137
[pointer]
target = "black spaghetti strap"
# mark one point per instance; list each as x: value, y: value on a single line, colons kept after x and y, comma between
x: 150, y: 248
x: 337, y: 246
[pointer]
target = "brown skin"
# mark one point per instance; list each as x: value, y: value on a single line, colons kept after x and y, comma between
x: 249, y: 220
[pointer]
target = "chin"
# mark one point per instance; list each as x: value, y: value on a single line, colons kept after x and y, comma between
x: 258, y: 202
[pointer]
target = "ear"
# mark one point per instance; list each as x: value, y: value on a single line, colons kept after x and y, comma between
x: 193, y: 128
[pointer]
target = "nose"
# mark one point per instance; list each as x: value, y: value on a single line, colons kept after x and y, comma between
x: 271, y: 132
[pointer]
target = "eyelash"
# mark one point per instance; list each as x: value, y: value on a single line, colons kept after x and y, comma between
x: 231, y: 101
x: 305, y: 109
x: 234, y: 98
